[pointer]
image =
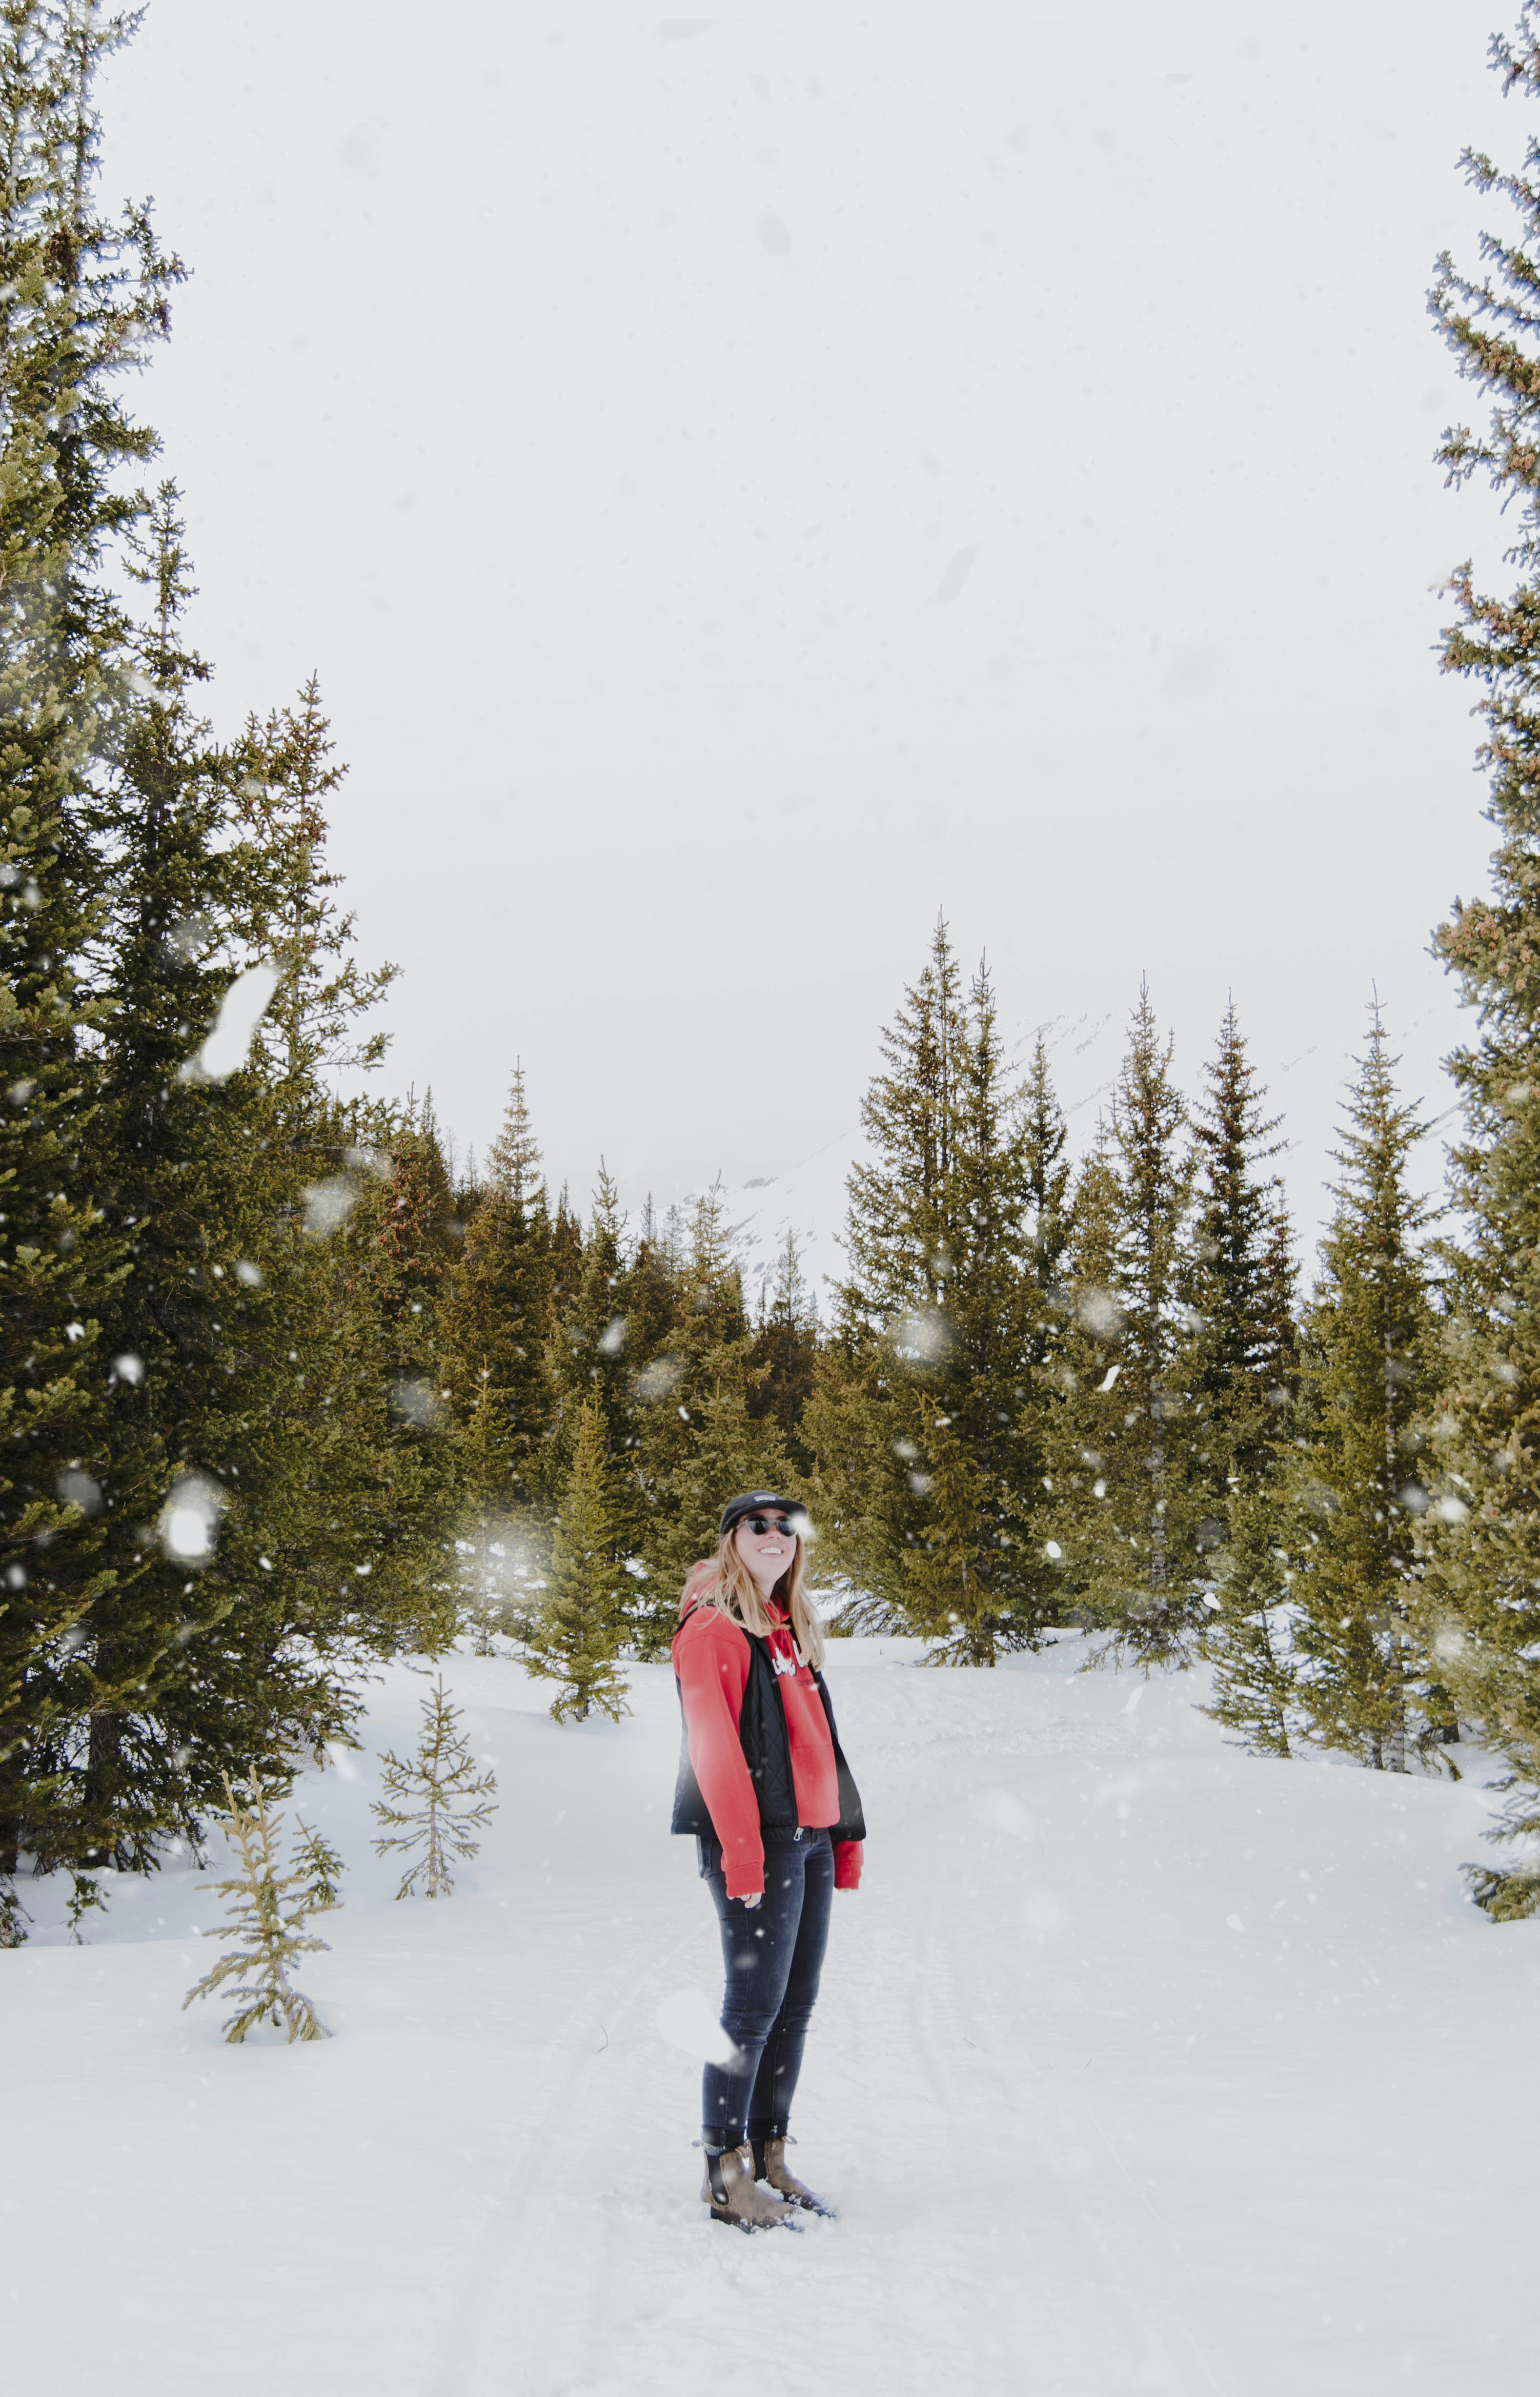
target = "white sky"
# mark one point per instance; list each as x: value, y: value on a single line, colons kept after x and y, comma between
x: 747, y: 484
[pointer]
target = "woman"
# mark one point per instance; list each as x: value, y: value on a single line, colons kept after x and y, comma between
x: 765, y: 1788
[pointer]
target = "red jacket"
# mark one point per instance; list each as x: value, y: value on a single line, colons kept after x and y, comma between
x: 711, y: 1656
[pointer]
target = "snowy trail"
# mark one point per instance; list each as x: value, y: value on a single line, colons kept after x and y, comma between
x: 954, y: 2184
x: 1141, y: 2067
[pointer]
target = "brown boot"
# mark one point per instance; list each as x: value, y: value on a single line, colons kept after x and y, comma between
x: 769, y: 2165
x: 730, y: 2190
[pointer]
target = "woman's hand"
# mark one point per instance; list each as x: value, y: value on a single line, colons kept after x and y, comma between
x: 753, y: 1900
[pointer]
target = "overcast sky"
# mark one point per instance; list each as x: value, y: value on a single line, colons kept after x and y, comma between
x: 748, y: 485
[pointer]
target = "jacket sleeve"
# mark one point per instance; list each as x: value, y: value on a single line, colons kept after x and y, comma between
x: 713, y: 1660
x: 847, y: 1864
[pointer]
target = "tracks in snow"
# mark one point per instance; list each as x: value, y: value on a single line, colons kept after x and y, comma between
x: 987, y: 2217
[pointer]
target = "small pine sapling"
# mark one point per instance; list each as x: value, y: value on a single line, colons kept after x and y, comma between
x: 268, y: 1915
x: 13, y: 1917
x: 84, y: 1895
x: 442, y: 1804
x: 481, y: 1619
x: 318, y: 1861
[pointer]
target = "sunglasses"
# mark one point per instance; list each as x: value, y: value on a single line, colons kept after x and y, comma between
x: 760, y: 1524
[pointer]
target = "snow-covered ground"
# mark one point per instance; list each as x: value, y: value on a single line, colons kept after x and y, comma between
x: 1141, y: 2066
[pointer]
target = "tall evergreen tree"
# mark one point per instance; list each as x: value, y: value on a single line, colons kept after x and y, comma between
x: 649, y: 1299
x: 396, y: 1485
x: 498, y: 1561
x: 698, y: 1439
x: 1133, y: 1555
x: 260, y: 1328
x: 585, y: 1617
x: 926, y: 1423
x: 1241, y: 1367
x: 183, y: 1172
x: 286, y: 773
x: 198, y: 1384
x: 496, y: 1318
x: 81, y: 299
x: 587, y: 1353
x: 1369, y: 1375
x: 1481, y: 1602
x: 566, y: 1258
x: 784, y: 1351
x: 253, y: 1368
x: 358, y: 1521
x: 1239, y: 1281
x: 1049, y: 1210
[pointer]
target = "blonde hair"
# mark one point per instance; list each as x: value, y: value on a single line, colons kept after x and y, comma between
x: 729, y: 1587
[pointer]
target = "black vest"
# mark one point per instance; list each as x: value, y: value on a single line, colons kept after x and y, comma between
x: 767, y: 1752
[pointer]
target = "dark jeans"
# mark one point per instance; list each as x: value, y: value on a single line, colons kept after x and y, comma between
x: 773, y: 1953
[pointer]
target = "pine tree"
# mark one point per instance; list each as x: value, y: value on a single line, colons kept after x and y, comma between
x: 650, y: 1294
x: 268, y: 1913
x: 784, y: 1351
x: 443, y: 1803
x: 496, y: 1550
x: 588, y: 1357
x: 286, y: 773
x: 585, y: 1617
x: 647, y: 1300
x: 1480, y: 1604
x: 173, y: 1326
x: 183, y: 1673
x: 1239, y: 1282
x: 1083, y: 1367
x: 927, y: 1422
x: 140, y: 1690
x: 81, y: 299
x: 566, y: 1258
x: 698, y: 1439
x: 368, y: 1213
x: 1049, y: 1212
x: 497, y: 1316
x: 1249, y: 1641
x: 384, y: 1395
x: 257, y: 1355
x: 1241, y: 1372
x: 1126, y: 1426
x: 320, y: 1867
x: 1370, y: 1376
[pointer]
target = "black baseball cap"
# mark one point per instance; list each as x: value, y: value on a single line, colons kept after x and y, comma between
x: 756, y: 1502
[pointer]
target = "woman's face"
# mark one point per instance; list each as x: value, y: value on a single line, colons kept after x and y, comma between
x: 766, y: 1551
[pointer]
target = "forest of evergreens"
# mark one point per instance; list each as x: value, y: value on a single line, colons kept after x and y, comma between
x: 285, y: 1394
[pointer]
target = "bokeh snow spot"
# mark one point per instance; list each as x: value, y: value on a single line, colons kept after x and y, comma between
x: 1001, y: 1810
x: 328, y: 1204
x: 419, y: 1402
x: 659, y: 1379
x: 688, y: 2020
x: 241, y: 1010
x: 76, y: 1489
x: 190, y: 1519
